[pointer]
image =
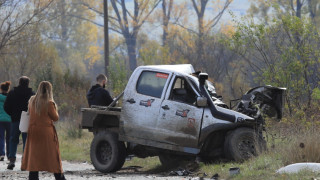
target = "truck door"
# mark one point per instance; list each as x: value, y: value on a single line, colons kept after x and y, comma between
x: 180, y: 119
x: 141, y: 103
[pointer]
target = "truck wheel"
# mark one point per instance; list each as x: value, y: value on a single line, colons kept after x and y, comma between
x: 242, y: 144
x: 107, y: 153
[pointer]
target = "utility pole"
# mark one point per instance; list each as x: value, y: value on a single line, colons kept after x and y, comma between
x: 106, y: 36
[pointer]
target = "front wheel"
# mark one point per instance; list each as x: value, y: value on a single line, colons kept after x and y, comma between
x: 242, y: 144
x: 107, y: 153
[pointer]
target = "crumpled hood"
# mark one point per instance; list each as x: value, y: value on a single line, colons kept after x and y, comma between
x: 269, y: 99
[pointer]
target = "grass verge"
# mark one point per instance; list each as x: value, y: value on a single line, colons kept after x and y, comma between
x: 261, y: 167
x: 71, y: 148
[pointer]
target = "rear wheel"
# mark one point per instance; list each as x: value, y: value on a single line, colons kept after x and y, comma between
x: 242, y: 144
x: 107, y: 153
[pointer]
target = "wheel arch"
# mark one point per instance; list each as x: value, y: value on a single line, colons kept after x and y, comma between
x: 105, y: 122
x: 211, y: 130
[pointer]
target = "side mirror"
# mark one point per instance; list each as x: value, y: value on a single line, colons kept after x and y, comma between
x: 202, y: 102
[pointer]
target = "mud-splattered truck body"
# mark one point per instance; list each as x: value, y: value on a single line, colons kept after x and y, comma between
x: 170, y: 111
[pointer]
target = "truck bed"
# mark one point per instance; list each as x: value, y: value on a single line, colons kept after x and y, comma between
x: 100, y: 117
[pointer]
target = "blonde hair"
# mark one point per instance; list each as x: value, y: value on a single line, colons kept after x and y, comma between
x: 44, y: 94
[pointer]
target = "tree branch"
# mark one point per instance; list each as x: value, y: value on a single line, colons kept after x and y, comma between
x: 86, y: 19
x: 195, y: 7
x: 190, y: 30
x: 217, y: 18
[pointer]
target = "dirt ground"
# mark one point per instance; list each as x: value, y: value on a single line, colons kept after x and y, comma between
x: 80, y: 171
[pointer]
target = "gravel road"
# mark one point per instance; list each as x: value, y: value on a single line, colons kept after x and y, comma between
x: 80, y: 171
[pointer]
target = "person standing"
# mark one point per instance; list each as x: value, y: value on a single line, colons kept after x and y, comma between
x: 5, y: 122
x: 16, y: 102
x: 42, y: 149
x: 97, y: 95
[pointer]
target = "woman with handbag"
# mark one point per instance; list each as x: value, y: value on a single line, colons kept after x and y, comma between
x: 42, y: 147
x: 5, y: 122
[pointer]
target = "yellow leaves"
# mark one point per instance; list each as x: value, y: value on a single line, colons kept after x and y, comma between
x: 90, y: 33
x: 93, y: 54
x: 228, y: 29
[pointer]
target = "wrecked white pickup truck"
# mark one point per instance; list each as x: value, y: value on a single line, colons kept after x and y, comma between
x: 172, y: 112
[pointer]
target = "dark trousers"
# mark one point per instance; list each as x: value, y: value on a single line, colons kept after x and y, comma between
x: 5, y: 138
x: 14, y: 139
x: 34, y: 175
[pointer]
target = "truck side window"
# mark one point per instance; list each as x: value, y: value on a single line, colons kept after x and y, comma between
x: 151, y: 83
x: 182, y: 92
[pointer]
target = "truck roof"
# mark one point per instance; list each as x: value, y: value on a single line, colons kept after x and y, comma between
x: 181, y: 68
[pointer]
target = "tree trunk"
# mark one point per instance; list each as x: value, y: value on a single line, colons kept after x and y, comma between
x: 64, y: 32
x: 201, y: 39
x: 106, y: 36
x: 166, y: 11
x: 165, y: 33
x: 131, y: 46
x: 299, y: 6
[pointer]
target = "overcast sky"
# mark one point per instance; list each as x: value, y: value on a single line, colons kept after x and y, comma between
x: 237, y: 7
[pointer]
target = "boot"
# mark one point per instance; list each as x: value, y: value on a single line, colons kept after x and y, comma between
x: 11, y: 164
x: 59, y: 176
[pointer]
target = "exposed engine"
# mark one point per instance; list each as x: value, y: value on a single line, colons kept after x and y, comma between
x: 262, y: 101
x: 257, y: 103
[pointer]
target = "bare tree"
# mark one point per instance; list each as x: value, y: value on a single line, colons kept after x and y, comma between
x: 200, y: 8
x: 128, y: 24
x: 15, y: 17
x: 297, y: 7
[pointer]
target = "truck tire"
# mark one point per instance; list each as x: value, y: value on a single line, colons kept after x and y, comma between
x: 242, y: 144
x: 107, y: 153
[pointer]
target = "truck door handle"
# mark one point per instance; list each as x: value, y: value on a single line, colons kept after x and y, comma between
x: 131, y: 101
x: 166, y: 107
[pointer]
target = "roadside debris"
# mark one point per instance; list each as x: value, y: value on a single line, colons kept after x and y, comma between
x: 215, y: 176
x: 234, y: 171
x: 181, y: 172
x: 295, y: 168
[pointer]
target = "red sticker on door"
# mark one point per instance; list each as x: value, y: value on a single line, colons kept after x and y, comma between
x: 191, y: 122
x: 161, y: 75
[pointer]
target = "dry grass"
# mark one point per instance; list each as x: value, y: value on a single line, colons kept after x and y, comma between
x: 303, y: 147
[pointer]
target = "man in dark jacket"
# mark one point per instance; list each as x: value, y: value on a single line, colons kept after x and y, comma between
x: 16, y: 102
x: 97, y: 95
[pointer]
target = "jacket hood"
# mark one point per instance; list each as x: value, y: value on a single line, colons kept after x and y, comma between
x: 22, y: 90
x: 91, y: 93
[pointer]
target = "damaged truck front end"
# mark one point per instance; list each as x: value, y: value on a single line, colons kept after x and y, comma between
x: 262, y: 101
x: 237, y: 133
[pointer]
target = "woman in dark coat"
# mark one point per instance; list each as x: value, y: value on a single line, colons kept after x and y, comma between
x: 42, y: 147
